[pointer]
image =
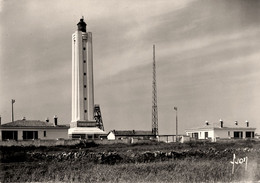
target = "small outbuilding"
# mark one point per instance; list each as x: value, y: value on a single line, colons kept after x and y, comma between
x: 32, y: 130
x: 130, y: 134
x: 216, y: 131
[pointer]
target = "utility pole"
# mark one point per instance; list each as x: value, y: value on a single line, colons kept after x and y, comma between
x: 176, y: 109
x: 154, y: 100
x: 13, y: 101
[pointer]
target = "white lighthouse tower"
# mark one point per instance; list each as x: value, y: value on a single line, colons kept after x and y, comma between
x: 83, y: 124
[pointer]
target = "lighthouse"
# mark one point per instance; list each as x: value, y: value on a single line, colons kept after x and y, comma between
x: 82, y: 75
x: 83, y: 123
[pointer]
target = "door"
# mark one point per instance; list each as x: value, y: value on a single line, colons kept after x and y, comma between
x: 195, y: 135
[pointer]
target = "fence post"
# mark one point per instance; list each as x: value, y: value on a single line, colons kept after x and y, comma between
x: 233, y: 167
x: 246, y: 163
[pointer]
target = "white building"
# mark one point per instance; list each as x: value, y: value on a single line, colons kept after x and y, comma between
x: 221, y: 131
x: 130, y: 134
x: 83, y: 125
x: 32, y: 130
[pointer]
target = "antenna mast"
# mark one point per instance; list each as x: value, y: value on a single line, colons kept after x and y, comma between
x: 154, y: 100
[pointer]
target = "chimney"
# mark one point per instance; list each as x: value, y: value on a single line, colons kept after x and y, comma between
x: 207, y: 123
x: 236, y: 123
x: 221, y: 123
x: 55, y: 120
x: 47, y: 120
x: 247, y: 123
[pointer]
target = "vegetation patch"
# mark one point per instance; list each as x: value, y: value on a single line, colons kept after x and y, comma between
x: 150, y: 162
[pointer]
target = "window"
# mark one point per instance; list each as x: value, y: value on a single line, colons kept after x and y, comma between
x: 238, y: 135
x: 85, y: 86
x: 250, y: 134
x: 84, y: 74
x: 96, y: 136
x: 90, y: 136
x: 29, y: 135
x: 84, y: 61
x: 9, y: 135
x: 228, y: 133
x: 85, y: 98
x: 78, y: 136
x: 85, y: 111
x: 44, y: 133
x: 84, y: 48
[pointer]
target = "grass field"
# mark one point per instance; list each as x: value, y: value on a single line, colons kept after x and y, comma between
x: 192, y: 162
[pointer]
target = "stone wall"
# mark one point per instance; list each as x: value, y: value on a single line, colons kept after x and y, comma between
x: 38, y: 143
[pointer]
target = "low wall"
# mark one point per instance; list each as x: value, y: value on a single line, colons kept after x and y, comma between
x: 38, y: 143
x: 235, y: 140
x: 172, y: 138
x: 224, y: 140
x: 122, y: 141
x: 68, y: 142
x: 167, y: 138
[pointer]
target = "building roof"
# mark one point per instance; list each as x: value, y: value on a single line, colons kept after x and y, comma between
x: 132, y: 133
x: 226, y: 125
x: 86, y: 130
x: 31, y: 124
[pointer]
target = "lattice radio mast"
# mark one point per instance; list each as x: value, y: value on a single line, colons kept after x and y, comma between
x: 98, y: 117
x: 154, y: 107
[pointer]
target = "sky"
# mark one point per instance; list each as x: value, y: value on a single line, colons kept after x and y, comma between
x: 207, y: 60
